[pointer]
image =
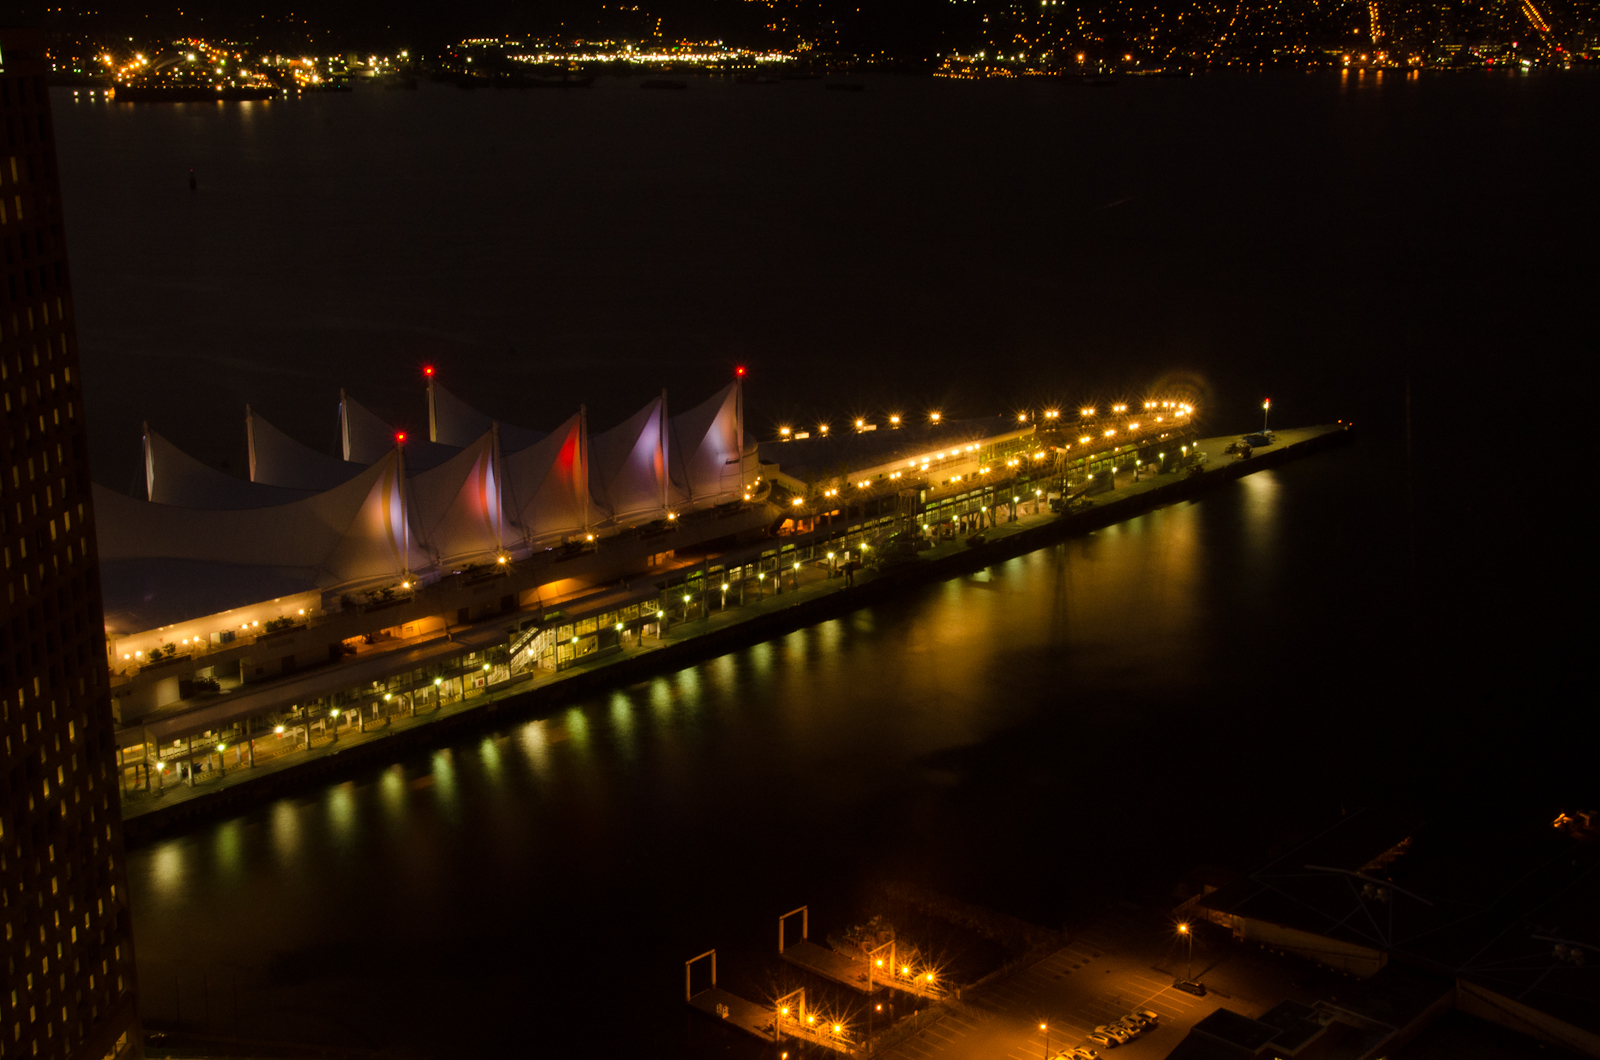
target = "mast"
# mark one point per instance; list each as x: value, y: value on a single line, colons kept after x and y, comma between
x: 149, y: 464
x: 250, y: 439
x: 344, y: 424
x: 433, y: 411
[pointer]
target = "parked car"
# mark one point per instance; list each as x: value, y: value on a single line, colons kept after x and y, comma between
x: 1116, y: 1032
x: 1105, y: 1041
x: 1136, y: 1023
x: 1153, y: 1017
x: 1083, y: 1052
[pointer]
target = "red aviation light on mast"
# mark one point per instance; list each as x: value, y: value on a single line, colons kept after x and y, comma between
x: 739, y: 371
x: 399, y: 437
x: 427, y: 369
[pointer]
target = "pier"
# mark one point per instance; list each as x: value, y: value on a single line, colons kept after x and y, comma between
x: 856, y: 973
x: 775, y: 594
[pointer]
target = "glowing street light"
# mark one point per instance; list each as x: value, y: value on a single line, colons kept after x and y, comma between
x: 1266, y: 410
x: 1188, y: 933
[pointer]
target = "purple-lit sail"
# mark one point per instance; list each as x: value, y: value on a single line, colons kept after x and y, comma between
x: 628, y: 466
x: 705, y: 463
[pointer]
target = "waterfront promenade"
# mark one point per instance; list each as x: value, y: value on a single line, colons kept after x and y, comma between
x: 810, y: 593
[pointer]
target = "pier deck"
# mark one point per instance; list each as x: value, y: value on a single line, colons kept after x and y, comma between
x: 847, y: 971
x: 746, y: 1015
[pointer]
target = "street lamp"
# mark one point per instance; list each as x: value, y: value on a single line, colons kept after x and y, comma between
x: 1266, y: 409
x: 1188, y: 971
x: 1046, y: 1028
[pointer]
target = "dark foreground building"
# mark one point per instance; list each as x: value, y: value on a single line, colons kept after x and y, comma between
x: 69, y: 987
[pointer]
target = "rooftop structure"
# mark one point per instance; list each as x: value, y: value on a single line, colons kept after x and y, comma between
x: 1508, y: 915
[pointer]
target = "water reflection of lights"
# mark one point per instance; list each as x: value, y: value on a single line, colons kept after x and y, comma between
x: 536, y: 747
x: 341, y: 809
x: 489, y: 754
x: 285, y: 830
x: 167, y: 870
x: 444, y: 776
x: 229, y: 848
x: 578, y: 728
x: 622, y: 723
x: 392, y: 791
x: 661, y: 697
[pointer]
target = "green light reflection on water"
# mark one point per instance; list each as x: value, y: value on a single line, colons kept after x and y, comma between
x: 661, y: 698
x: 578, y: 729
x: 392, y: 792
x: 622, y: 724
x: 342, y: 809
x: 489, y: 754
x: 444, y: 776
x: 229, y: 848
x: 167, y: 870
x: 536, y: 747
x: 285, y: 830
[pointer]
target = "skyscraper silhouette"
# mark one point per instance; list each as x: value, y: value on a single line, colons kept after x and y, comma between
x: 69, y: 989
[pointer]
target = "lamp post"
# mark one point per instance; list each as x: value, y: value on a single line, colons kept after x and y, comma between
x: 1188, y: 971
x: 1046, y: 1028
x: 1266, y: 410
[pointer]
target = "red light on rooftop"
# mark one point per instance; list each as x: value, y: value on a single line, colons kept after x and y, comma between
x: 400, y: 437
x: 739, y: 370
x: 427, y: 369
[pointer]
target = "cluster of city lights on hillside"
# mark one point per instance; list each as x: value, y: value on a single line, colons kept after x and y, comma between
x: 653, y: 55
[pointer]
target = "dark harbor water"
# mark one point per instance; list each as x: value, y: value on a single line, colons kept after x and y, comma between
x: 1084, y: 723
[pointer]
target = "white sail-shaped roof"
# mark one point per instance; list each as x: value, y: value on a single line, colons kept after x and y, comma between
x: 366, y: 438
x: 706, y: 444
x: 172, y: 476
x: 628, y: 465
x: 350, y: 535
x: 547, y: 484
x: 456, y: 507
x: 279, y: 460
x: 452, y: 421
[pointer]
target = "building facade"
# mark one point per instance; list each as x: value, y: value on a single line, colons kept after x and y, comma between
x: 69, y: 989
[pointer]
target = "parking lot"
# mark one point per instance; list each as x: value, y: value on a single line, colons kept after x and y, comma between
x: 1119, y: 964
